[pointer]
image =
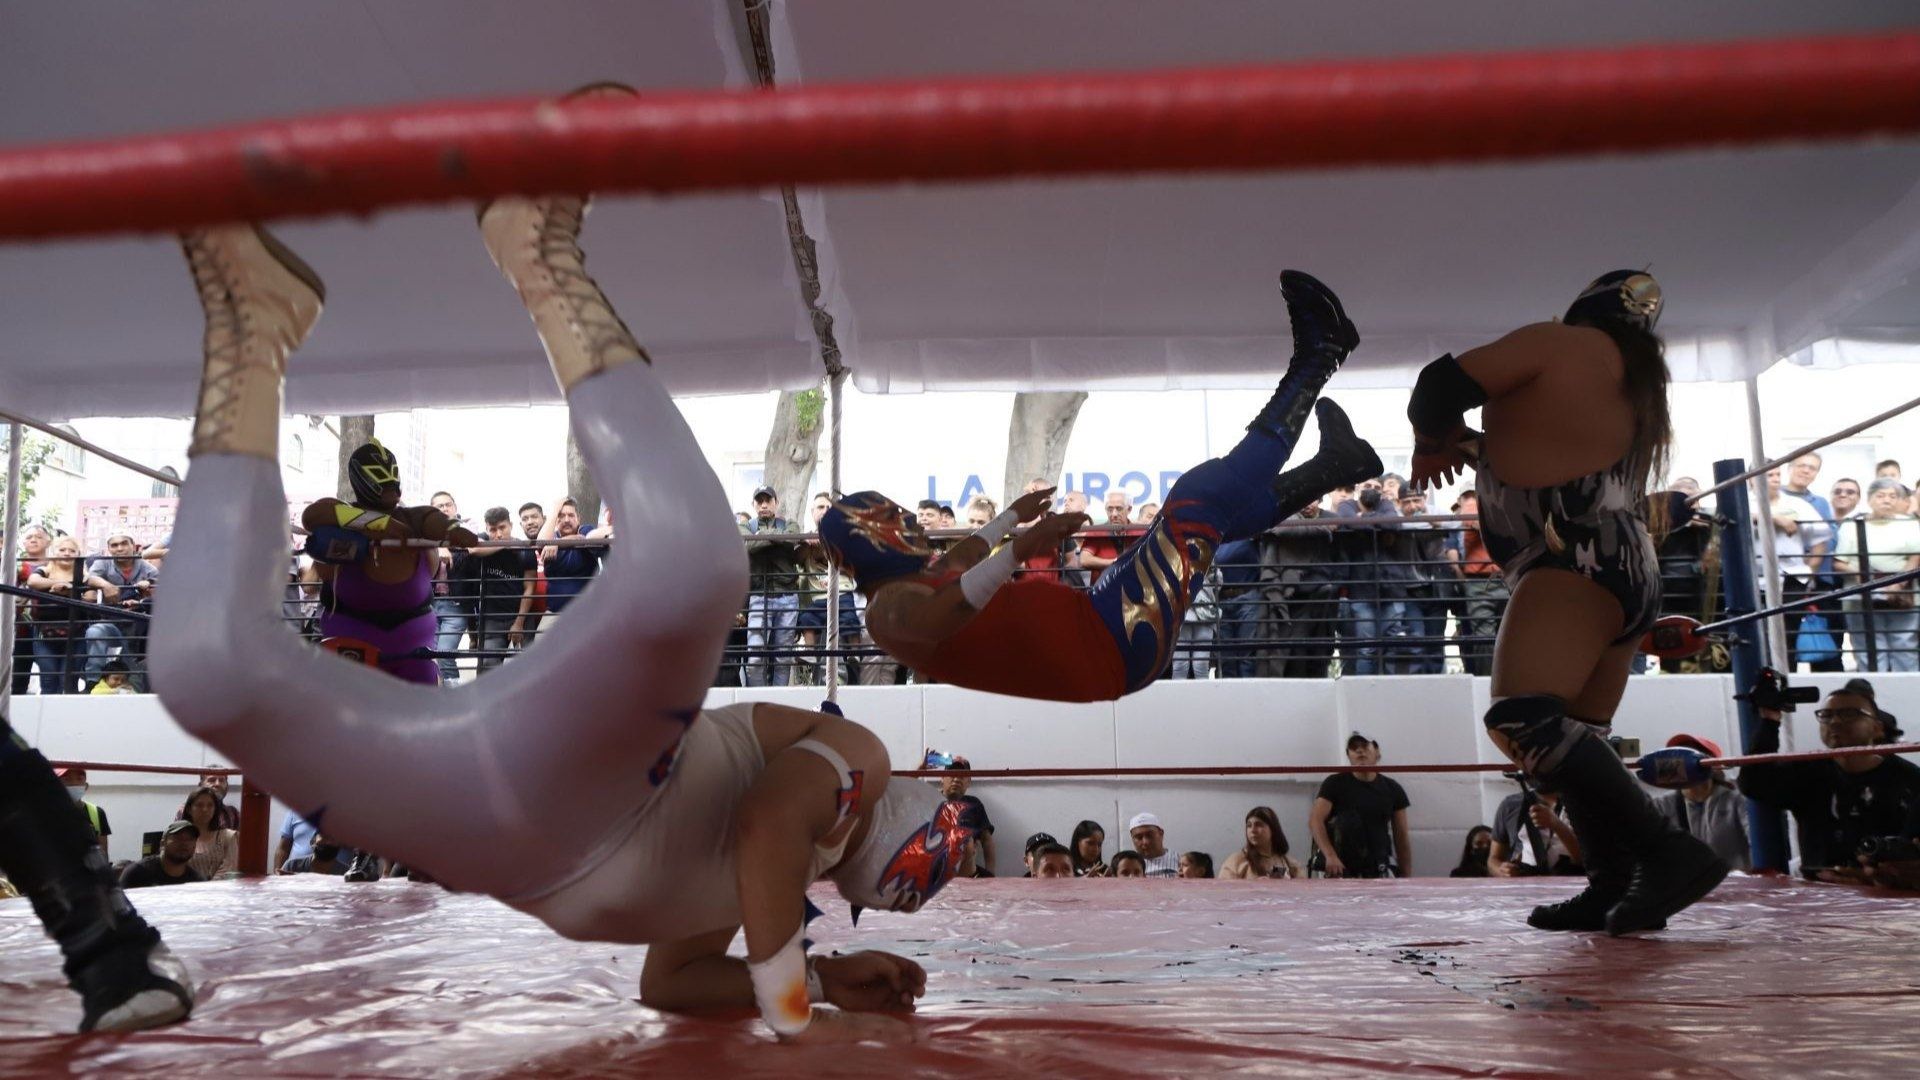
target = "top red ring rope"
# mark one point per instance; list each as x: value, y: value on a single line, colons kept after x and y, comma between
x: 1366, y: 113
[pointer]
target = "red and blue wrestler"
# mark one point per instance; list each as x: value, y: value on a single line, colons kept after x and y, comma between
x: 968, y: 621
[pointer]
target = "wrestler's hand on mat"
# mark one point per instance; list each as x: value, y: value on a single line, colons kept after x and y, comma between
x: 1045, y: 536
x: 871, y: 981
x: 1844, y: 875
x: 1896, y: 874
x: 1443, y: 459
x: 1032, y: 504
x: 835, y: 1026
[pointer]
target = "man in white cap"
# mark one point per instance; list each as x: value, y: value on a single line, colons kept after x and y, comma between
x: 1150, y: 840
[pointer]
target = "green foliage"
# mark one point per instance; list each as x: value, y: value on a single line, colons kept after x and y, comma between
x: 809, y: 407
x: 34, y: 452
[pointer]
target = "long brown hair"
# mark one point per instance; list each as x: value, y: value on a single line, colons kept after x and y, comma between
x: 1256, y: 860
x: 1647, y: 377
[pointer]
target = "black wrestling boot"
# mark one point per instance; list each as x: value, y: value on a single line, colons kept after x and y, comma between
x: 1609, y: 865
x: 126, y: 978
x: 1322, y: 338
x: 1344, y: 459
x: 1670, y: 869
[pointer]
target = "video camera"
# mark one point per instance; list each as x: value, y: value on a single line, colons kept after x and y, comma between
x: 1770, y: 691
x: 1877, y: 849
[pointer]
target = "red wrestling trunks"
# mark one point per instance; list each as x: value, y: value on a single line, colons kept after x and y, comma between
x: 1035, y: 639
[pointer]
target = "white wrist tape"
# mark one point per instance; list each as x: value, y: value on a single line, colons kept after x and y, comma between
x: 783, y: 987
x: 985, y: 577
x: 998, y: 529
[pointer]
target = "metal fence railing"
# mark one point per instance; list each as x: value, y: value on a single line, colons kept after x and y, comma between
x: 1319, y: 597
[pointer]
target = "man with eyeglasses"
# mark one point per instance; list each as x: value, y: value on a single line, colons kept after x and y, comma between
x: 1840, y: 802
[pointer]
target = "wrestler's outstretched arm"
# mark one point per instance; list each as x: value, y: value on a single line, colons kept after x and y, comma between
x: 913, y: 614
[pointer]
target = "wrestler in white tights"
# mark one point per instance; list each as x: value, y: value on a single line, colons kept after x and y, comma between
x: 464, y: 782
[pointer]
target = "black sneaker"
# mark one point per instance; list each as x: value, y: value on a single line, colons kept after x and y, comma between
x: 132, y: 988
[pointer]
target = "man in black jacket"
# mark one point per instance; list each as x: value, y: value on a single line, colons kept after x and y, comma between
x: 1836, y: 804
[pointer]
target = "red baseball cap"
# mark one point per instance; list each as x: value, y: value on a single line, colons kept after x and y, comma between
x: 1705, y: 746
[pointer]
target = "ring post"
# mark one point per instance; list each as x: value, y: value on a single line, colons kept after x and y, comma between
x: 255, y: 808
x: 1766, y: 829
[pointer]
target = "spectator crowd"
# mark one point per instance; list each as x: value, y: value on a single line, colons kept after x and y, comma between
x: 1371, y: 580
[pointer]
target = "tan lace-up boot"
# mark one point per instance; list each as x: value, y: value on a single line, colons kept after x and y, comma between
x: 536, y: 244
x: 261, y: 302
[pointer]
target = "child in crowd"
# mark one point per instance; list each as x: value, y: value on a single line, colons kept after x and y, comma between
x: 115, y: 678
x: 954, y: 788
x: 1196, y: 864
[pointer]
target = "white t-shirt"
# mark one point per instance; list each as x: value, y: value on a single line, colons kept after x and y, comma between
x: 1890, y: 543
x: 1166, y: 864
x: 1791, y: 549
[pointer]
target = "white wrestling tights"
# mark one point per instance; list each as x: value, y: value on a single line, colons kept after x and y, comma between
x: 505, y: 784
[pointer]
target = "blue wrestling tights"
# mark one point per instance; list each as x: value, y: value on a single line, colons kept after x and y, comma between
x: 1144, y: 595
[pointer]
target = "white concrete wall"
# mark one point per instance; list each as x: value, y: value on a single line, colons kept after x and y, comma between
x: 1425, y: 719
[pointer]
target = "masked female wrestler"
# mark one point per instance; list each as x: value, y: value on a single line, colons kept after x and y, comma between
x: 382, y: 596
x: 1576, y: 428
x: 967, y: 620
x: 690, y: 825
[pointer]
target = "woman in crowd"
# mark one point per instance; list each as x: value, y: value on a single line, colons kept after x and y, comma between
x: 1088, y: 839
x: 1887, y: 618
x: 59, y: 631
x: 1129, y: 863
x: 1265, y: 854
x: 1577, y: 430
x: 382, y: 596
x: 33, y: 552
x: 217, y: 851
x: 1473, y: 855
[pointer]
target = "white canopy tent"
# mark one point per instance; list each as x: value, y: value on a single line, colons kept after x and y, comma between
x: 1157, y: 282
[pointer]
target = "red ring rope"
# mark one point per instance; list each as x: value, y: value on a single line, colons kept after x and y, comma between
x: 1376, y: 112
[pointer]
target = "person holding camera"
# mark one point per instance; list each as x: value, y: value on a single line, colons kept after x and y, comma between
x: 1840, y: 803
x: 1531, y: 835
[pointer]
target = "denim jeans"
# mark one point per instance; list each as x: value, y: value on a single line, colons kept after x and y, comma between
x: 451, y: 624
x: 1896, y: 634
x: 1239, y: 621
x: 102, y: 638
x: 770, y: 623
x: 1193, y: 662
x: 1421, y: 618
x: 1368, y: 620
x: 59, y: 661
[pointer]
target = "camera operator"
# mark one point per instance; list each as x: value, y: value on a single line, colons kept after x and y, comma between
x: 1531, y: 835
x: 1835, y: 804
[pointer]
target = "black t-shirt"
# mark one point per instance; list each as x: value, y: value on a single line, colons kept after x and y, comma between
x: 975, y: 813
x: 1360, y: 824
x: 147, y: 872
x: 1833, y: 810
x: 491, y: 584
x: 304, y: 865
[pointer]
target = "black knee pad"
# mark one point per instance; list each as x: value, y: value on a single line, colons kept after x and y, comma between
x: 1538, y: 727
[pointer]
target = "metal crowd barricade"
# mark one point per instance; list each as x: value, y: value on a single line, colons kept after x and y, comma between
x: 1329, y: 596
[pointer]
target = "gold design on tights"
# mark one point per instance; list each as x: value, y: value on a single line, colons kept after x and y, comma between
x: 1165, y: 584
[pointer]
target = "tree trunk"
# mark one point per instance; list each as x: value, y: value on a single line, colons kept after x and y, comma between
x: 580, y: 486
x: 793, y: 448
x: 1037, y: 436
x: 355, y: 432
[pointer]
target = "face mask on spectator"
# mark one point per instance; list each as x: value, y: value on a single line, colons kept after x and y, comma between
x: 77, y: 792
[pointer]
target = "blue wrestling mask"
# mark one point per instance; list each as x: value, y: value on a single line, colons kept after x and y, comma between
x: 874, y: 538
x: 1629, y: 296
